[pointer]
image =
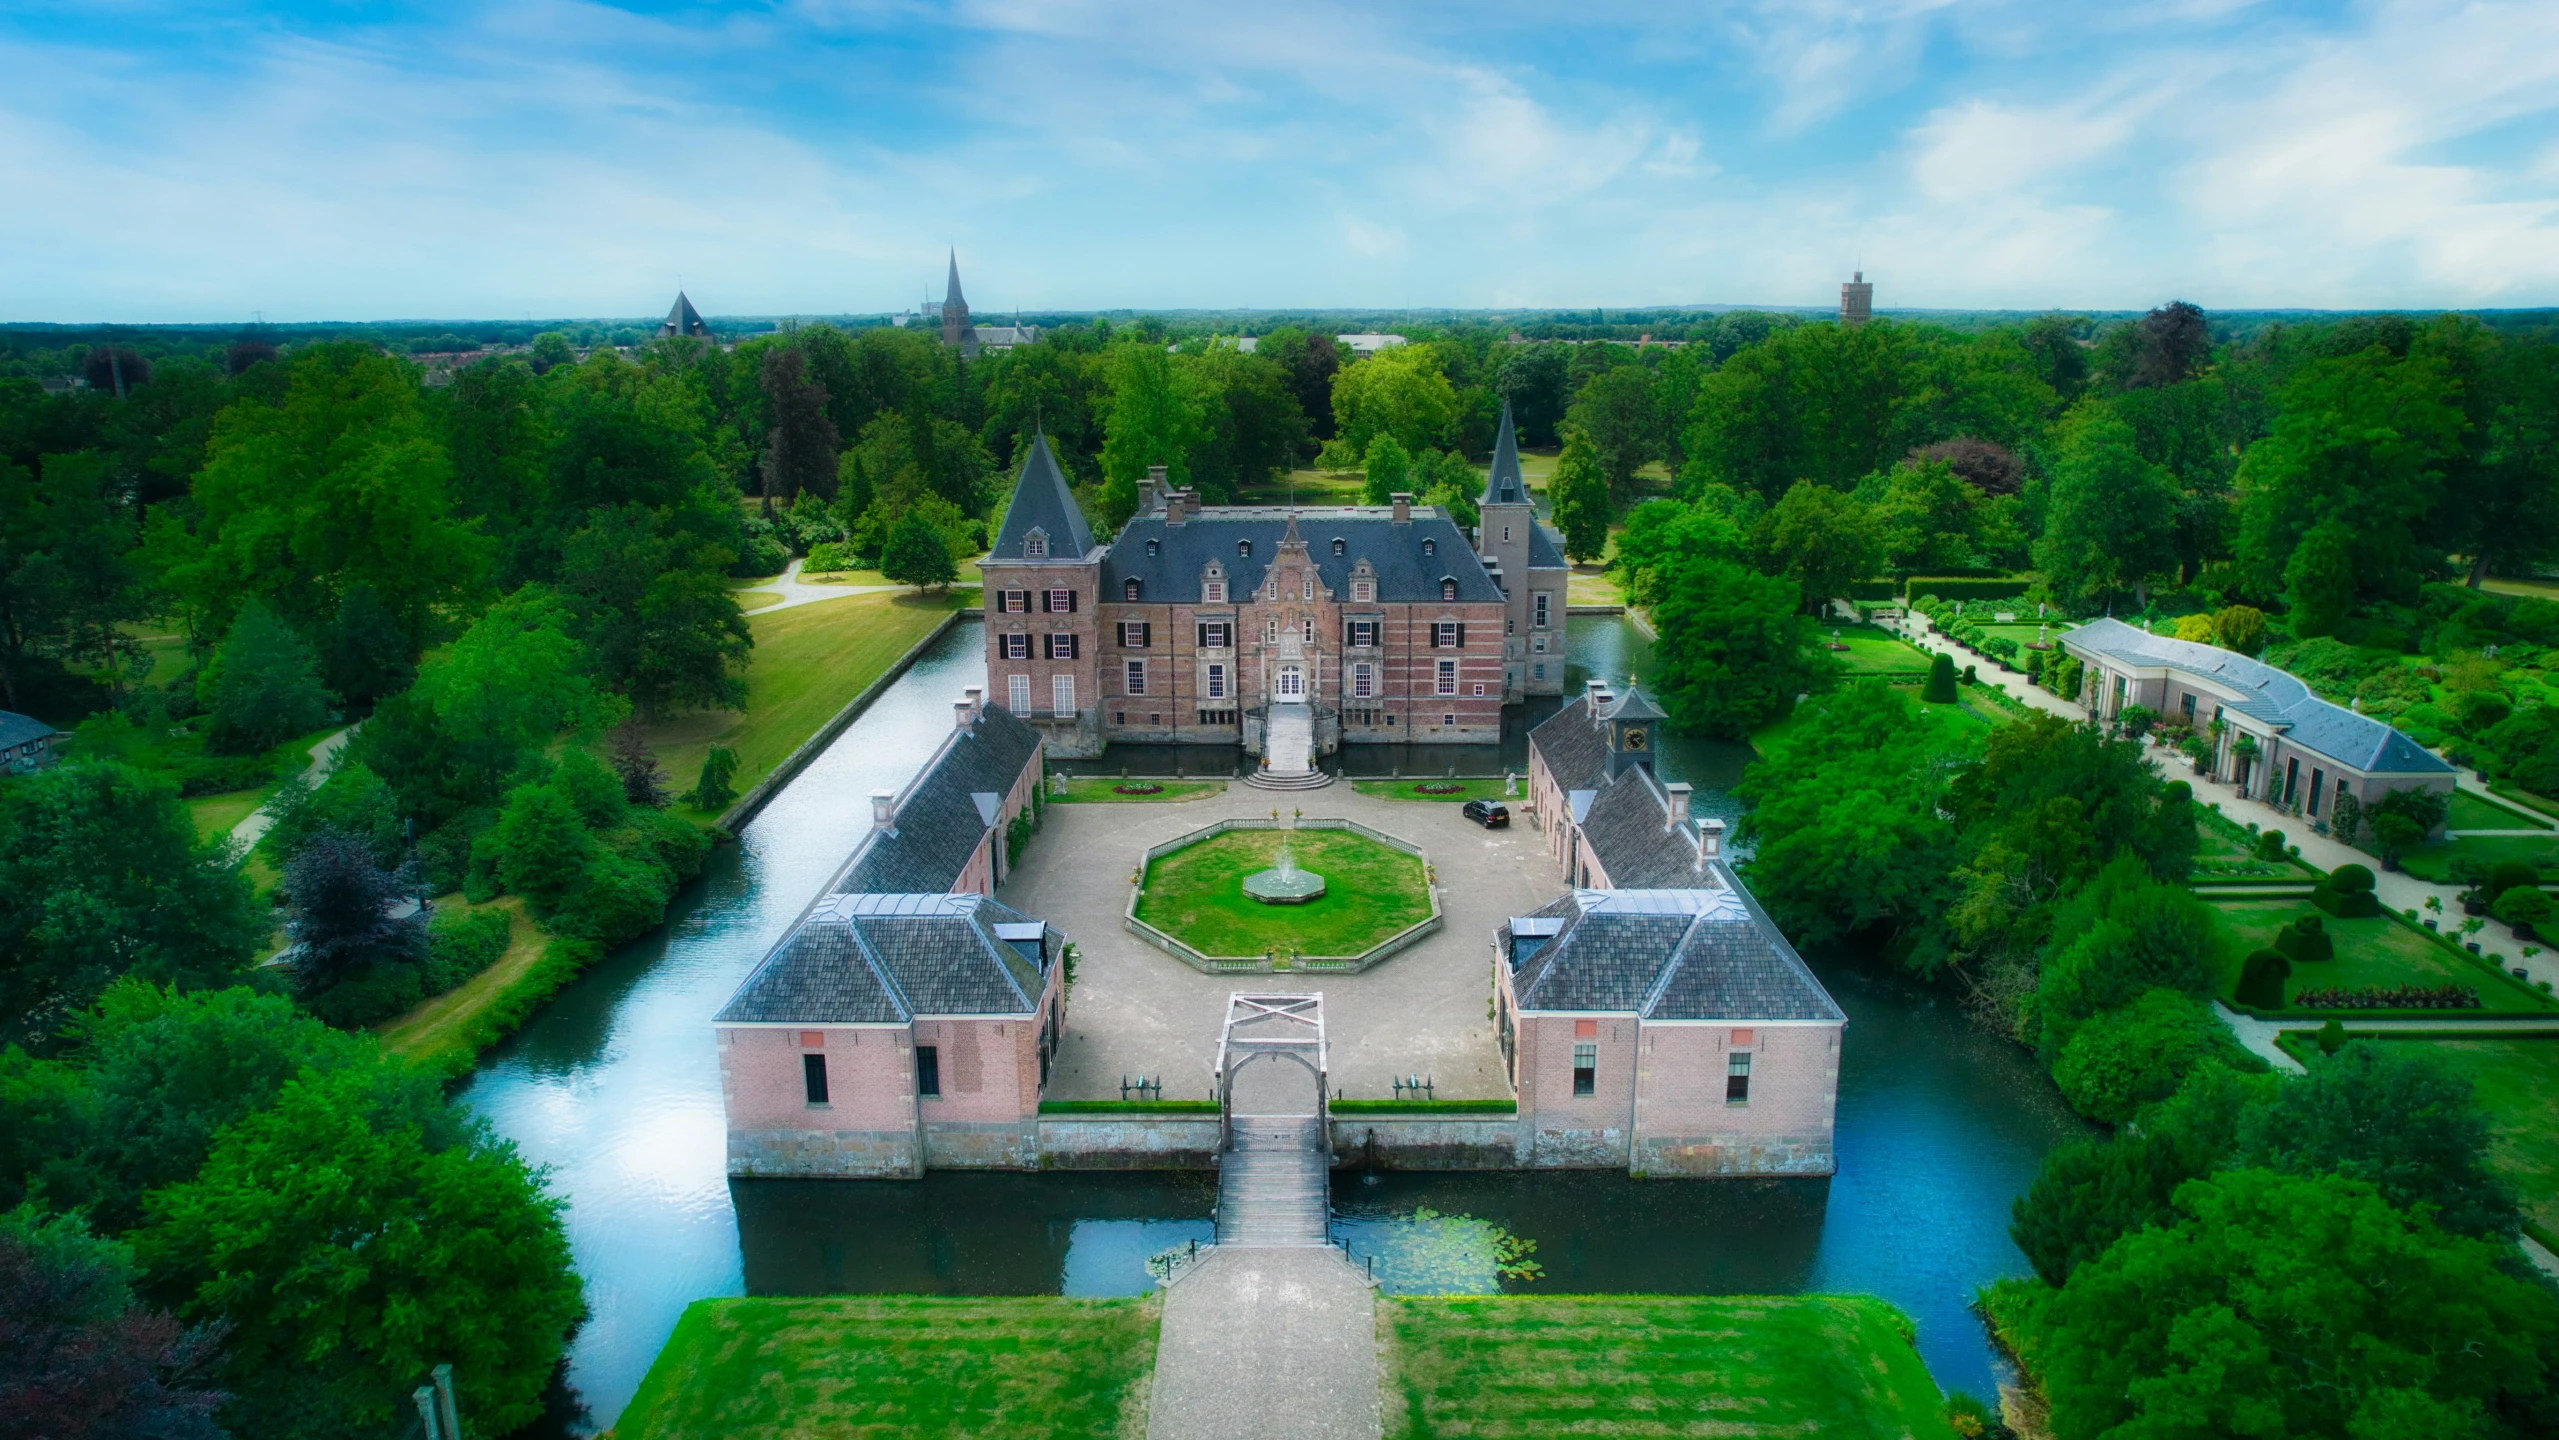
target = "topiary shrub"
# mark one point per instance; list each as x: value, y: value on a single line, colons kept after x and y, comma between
x: 1940, y: 689
x: 2261, y: 979
x: 2270, y: 845
x: 2331, y: 1037
x: 2505, y: 875
x: 2346, y: 892
x: 2525, y: 907
x: 2306, y: 941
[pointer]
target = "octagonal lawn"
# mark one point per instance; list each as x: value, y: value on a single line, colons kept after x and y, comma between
x: 1196, y: 894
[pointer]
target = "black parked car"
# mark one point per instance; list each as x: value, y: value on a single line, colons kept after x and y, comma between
x: 1491, y: 814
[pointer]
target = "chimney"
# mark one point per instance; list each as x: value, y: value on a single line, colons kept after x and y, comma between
x: 1176, y: 506
x: 1147, y: 496
x: 961, y: 716
x: 1403, y: 507
x: 883, y: 808
x: 1710, y: 838
x: 1594, y: 691
x: 1679, y: 791
x: 977, y: 702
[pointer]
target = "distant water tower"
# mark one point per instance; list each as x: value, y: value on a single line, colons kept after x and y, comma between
x: 1857, y: 300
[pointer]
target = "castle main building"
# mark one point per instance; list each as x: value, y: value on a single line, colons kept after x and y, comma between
x: 1200, y: 625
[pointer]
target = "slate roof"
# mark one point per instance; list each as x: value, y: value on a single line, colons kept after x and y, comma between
x: 952, y: 299
x: 1628, y: 827
x: 1674, y: 954
x: 1167, y: 560
x: 1502, y: 483
x: 17, y: 729
x: 885, y: 959
x: 2268, y: 694
x: 939, y: 821
x: 683, y: 319
x: 1042, y: 501
x: 1543, y: 552
x: 1574, y: 749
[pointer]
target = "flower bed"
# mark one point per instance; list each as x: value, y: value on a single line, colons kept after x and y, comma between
x: 1439, y: 787
x: 1137, y: 787
x: 2388, y: 997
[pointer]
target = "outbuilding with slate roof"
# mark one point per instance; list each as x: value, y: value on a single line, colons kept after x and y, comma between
x: 26, y: 743
x: 888, y: 1033
x: 1670, y: 1031
x: 2302, y: 752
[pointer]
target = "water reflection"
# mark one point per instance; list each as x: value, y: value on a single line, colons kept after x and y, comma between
x: 961, y: 1234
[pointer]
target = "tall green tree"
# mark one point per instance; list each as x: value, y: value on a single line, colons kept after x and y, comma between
x: 2110, y: 523
x: 1822, y: 539
x: 1577, y: 499
x: 1735, y: 649
x: 262, y: 685
x: 1400, y: 391
x: 1618, y: 411
x: 102, y: 875
x: 1152, y: 422
x: 1389, y: 469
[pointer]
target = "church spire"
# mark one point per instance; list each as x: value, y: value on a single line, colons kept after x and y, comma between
x: 1502, y: 484
x: 957, y: 332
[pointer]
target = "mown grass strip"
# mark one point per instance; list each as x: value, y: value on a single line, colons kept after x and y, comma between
x: 1023, y: 1367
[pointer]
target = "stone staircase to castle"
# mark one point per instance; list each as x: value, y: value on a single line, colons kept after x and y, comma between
x: 1288, y: 752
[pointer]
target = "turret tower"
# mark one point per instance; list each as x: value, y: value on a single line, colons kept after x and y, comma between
x: 1508, y: 518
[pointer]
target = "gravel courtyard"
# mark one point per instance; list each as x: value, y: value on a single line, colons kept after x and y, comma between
x: 1138, y: 1011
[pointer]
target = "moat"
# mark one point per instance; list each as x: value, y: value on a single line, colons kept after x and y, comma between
x: 615, y: 1086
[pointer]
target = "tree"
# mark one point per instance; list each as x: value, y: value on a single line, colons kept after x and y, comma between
x: 68, y: 573
x: 1617, y: 410
x: 1398, y: 391
x: 2401, y: 820
x: 1929, y: 520
x: 2396, y: 1118
x: 2128, y: 1058
x: 1251, y: 426
x: 2319, y: 580
x: 350, y: 799
x: 643, y: 783
x: 516, y: 678
x: 916, y: 556
x: 2503, y: 506
x: 1661, y: 535
x: 343, y: 912
x: 353, y: 1235
x: 1387, y: 469
x: 262, y: 685
x: 102, y: 875
x: 1577, y: 497
x: 2110, y: 521
x: 2090, y: 1193
x: 711, y: 791
x: 1531, y: 379
x: 364, y: 654
x: 2288, y: 1305
x: 1823, y: 539
x: 1308, y: 362
x: 1735, y: 651
x: 2120, y: 937
x: 1844, y: 825
x: 2239, y: 627
x: 80, y: 1357
x: 540, y: 847
x: 2170, y: 344
x: 692, y: 642
x: 1152, y: 422
x: 800, y: 439
x: 1940, y: 688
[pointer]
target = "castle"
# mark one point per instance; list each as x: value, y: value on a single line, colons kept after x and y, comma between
x: 1223, y: 625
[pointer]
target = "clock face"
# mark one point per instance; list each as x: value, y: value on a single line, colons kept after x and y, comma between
x: 1638, y: 739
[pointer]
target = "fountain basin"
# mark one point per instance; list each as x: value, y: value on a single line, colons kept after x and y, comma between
x: 1290, y: 886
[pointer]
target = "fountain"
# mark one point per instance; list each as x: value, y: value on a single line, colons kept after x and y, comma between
x: 1284, y: 883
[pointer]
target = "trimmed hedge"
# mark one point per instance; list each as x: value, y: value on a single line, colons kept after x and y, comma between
x: 1128, y: 1107
x: 1873, y: 590
x: 1954, y: 587
x: 1425, y: 1107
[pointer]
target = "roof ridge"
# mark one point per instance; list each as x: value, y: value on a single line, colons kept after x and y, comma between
x: 1670, y: 968
x: 879, y: 967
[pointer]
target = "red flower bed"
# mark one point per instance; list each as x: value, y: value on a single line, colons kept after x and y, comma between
x: 2389, y: 997
x: 1439, y: 787
x: 1137, y: 787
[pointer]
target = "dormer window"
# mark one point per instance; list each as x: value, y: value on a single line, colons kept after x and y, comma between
x: 1128, y: 588
x: 1213, y: 589
x: 1035, y: 545
x: 1448, y: 589
x: 1364, y: 591
x: 1341, y: 546
x: 1244, y: 548
x: 1154, y: 547
x: 1430, y: 547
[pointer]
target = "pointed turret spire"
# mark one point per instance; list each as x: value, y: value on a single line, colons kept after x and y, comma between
x: 951, y: 296
x: 1502, y: 484
x: 683, y: 319
x: 957, y: 332
x: 1042, y: 503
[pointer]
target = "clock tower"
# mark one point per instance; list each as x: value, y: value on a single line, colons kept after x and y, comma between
x: 1632, y: 722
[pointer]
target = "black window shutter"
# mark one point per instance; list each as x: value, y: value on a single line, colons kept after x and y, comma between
x: 1074, y: 643
x: 1461, y: 634
x: 1070, y: 602
x: 1044, y: 605
x: 1203, y: 634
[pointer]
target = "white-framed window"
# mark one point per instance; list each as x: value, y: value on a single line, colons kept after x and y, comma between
x: 1035, y: 545
x: 1479, y: 689
x: 1448, y: 589
x: 1017, y: 690
x: 1017, y: 646
x: 1137, y: 677
x: 1129, y: 588
x: 1061, y: 690
x: 1217, y: 682
x: 1364, y: 591
x: 1213, y: 593
x: 1448, y: 677
x: 1538, y: 603
x: 1136, y: 634
x: 1537, y: 644
x: 1309, y: 628
x: 1363, y: 682
x: 1013, y: 602
x: 1216, y: 634
x: 1306, y: 586
x: 1059, y: 602
x: 1448, y: 635
x: 1341, y: 546
x: 1361, y: 632
x: 1064, y: 647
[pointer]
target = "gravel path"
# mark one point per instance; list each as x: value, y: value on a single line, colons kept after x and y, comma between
x: 1277, y: 1341
x: 323, y: 755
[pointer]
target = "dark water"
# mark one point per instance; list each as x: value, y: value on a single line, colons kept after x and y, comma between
x: 615, y: 1085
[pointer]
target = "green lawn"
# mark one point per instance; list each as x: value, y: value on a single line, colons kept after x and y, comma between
x: 221, y: 814
x: 843, y: 577
x: 1872, y: 651
x: 809, y: 662
x: 1590, y: 585
x: 1104, y: 789
x: 2434, y: 862
x: 756, y: 599
x: 1403, y: 790
x: 1969, y: 715
x: 2517, y: 1082
x: 440, y: 1032
x: 2377, y: 951
x: 900, y: 1365
x: 1834, y: 1366
x: 2472, y: 811
x: 1371, y: 892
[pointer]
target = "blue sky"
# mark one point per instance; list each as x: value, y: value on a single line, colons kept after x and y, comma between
x: 551, y: 157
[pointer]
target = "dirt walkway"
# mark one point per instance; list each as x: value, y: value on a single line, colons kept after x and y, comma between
x: 248, y: 832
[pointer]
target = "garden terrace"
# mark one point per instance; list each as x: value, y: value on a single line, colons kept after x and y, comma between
x: 1190, y: 892
x: 2383, y: 951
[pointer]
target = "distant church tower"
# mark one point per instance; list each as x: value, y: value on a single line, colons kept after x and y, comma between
x: 683, y: 320
x: 957, y: 332
x: 1856, y: 299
